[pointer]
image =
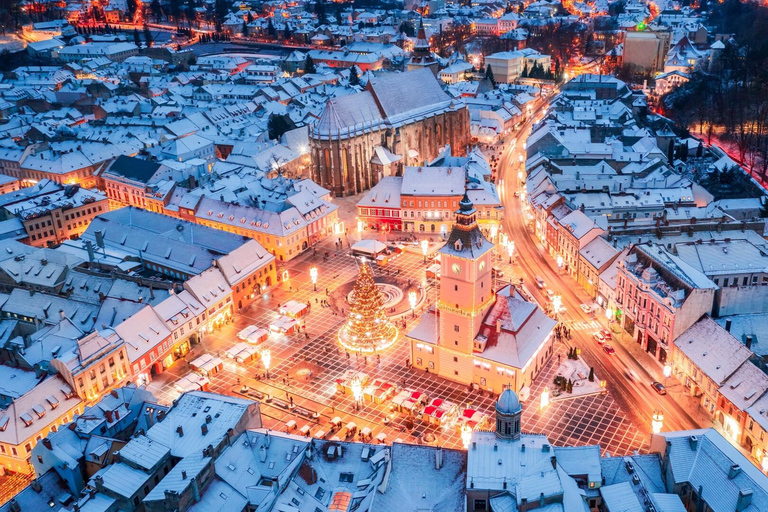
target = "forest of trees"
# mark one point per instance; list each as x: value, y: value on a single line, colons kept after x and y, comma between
x: 730, y: 100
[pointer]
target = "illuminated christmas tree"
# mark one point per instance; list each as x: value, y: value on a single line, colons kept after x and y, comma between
x: 367, y: 329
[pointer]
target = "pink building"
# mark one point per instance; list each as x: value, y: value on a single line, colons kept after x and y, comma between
x: 659, y: 297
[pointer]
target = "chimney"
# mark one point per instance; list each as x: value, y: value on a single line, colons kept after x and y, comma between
x: 89, y: 248
x: 195, y: 489
x: 62, y: 314
x: 108, y: 414
x: 13, y: 505
x: 734, y: 471
x: 100, y: 238
x: 47, y: 443
x: 438, y: 457
x: 553, y: 460
x: 728, y: 325
x: 180, y: 431
x: 117, y: 414
x: 183, y: 474
x: 114, y: 393
x: 749, y: 341
x: 204, y: 428
x: 36, y: 486
x: 744, y: 500
x: 99, y: 483
x: 694, y: 442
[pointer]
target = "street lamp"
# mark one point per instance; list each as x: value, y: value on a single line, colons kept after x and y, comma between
x: 412, y: 297
x: 266, y: 359
x: 557, y: 303
x: 658, y: 421
x: 425, y: 248
x: 667, y: 370
x: 313, y: 276
x: 357, y: 391
x: 559, y: 262
x: 544, y: 398
x: 466, y: 435
x: 609, y: 314
x: 511, y: 250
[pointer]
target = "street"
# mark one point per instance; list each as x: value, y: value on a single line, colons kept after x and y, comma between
x: 628, y: 379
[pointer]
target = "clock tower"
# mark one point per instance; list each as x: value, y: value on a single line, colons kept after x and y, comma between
x: 466, y: 290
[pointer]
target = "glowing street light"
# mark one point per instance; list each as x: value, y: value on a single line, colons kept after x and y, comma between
x: 494, y: 231
x: 412, y: 298
x: 544, y: 398
x: 511, y: 250
x: 667, y: 370
x: 266, y: 359
x: 466, y: 436
x: 425, y: 248
x: 313, y: 276
x: 557, y: 303
x: 609, y: 314
x: 560, y: 262
x: 359, y: 226
x: 658, y: 421
x: 357, y: 391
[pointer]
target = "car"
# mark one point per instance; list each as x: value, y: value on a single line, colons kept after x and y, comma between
x: 608, y: 350
x: 606, y: 334
x: 540, y: 282
x: 550, y: 293
x: 598, y: 337
x: 659, y: 387
x: 587, y: 308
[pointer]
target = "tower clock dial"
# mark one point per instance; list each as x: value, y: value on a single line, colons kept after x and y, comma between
x: 456, y: 268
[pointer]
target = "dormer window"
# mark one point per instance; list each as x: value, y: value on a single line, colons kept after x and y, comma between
x: 458, y: 245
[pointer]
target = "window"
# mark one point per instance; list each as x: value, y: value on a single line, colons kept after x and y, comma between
x: 455, y: 359
x: 346, y: 477
x: 431, y: 365
x: 456, y: 328
x: 40, y: 459
x: 418, y: 361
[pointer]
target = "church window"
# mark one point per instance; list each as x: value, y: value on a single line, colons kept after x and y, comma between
x: 456, y: 328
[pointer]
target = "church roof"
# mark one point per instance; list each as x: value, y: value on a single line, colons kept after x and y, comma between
x: 347, y: 114
x: 408, y: 95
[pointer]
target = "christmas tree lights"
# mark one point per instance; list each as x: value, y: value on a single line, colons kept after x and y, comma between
x: 367, y: 329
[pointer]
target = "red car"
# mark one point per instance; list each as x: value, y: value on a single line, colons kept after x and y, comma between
x: 608, y: 350
x: 606, y: 334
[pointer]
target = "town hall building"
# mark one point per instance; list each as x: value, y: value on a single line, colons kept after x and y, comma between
x: 400, y: 119
x: 491, y: 339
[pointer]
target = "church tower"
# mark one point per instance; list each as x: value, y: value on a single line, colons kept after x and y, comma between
x: 422, y: 57
x: 466, y: 292
x: 509, y: 412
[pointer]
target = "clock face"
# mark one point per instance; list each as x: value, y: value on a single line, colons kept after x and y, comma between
x: 481, y: 267
x: 456, y: 268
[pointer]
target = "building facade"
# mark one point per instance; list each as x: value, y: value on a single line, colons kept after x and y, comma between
x: 407, y: 113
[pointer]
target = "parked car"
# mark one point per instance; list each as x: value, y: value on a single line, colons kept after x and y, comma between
x: 598, y: 337
x: 550, y: 293
x: 608, y: 350
x: 659, y: 388
x: 606, y: 334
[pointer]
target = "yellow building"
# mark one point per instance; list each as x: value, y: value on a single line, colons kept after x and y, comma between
x: 29, y: 418
x: 479, y: 336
